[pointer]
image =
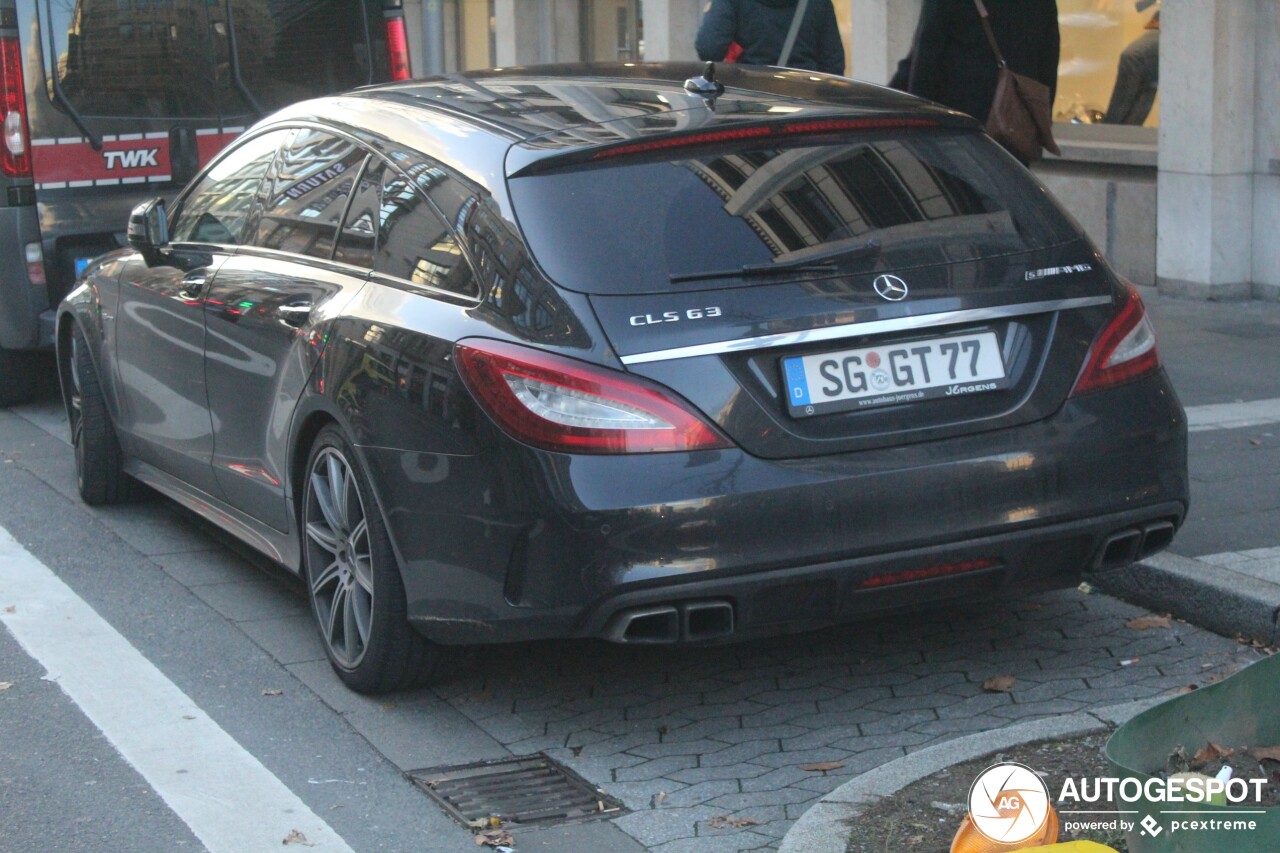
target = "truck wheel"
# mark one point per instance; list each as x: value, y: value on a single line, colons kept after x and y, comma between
x: 18, y: 371
x: 100, y: 475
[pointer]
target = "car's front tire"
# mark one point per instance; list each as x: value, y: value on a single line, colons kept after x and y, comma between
x: 353, y: 580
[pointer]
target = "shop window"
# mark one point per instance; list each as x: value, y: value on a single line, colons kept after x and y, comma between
x: 1108, y: 72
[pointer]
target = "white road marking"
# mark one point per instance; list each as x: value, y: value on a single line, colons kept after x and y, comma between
x: 228, y: 799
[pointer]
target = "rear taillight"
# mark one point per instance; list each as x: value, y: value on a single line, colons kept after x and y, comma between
x: 562, y: 404
x: 397, y: 44
x: 1123, y: 351
x: 15, y: 154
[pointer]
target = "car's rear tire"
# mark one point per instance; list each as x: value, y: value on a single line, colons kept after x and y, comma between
x: 18, y: 375
x: 353, y: 579
x: 100, y: 475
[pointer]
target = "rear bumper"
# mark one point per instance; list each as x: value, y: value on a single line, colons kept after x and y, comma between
x: 524, y: 544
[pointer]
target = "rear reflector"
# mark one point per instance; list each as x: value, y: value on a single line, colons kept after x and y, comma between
x: 1123, y: 351
x: 34, y: 255
x: 941, y: 570
x: 15, y: 154
x: 562, y: 404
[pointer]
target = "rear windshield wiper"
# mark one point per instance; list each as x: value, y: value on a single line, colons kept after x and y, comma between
x: 810, y: 263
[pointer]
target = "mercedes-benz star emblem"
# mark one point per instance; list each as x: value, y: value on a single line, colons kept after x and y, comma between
x: 890, y: 287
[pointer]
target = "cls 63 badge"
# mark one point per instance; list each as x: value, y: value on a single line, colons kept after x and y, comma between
x: 675, y: 316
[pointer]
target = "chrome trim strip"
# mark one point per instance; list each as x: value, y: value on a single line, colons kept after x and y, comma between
x: 897, y: 324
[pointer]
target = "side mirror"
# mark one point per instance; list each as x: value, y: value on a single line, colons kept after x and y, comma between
x: 148, y: 227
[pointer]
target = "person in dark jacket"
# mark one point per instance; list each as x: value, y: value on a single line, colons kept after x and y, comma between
x: 761, y: 27
x: 952, y: 62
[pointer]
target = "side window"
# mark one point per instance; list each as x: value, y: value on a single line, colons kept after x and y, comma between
x: 359, y: 238
x: 409, y: 239
x: 219, y: 207
x: 308, y: 192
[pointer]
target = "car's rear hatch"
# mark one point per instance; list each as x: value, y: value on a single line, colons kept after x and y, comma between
x: 828, y: 289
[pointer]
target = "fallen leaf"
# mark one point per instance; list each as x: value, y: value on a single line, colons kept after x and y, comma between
x: 273, y: 691
x: 1261, y: 752
x: 1210, y: 752
x: 999, y: 684
x: 722, y: 821
x: 295, y: 837
x: 5, y: 685
x: 495, y: 838
x: 1256, y: 442
x: 485, y: 823
x: 823, y: 766
x: 12, y: 608
x: 1142, y: 623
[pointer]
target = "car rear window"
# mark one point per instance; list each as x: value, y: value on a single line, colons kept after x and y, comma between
x: 627, y: 225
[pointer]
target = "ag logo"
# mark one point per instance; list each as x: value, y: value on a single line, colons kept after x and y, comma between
x: 1009, y: 803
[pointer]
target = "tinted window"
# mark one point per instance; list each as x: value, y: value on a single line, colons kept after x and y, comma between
x: 310, y: 183
x: 359, y: 238
x: 172, y: 58
x: 409, y: 239
x: 219, y: 208
x: 627, y: 226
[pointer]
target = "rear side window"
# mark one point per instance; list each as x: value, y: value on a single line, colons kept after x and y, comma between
x: 221, y: 205
x: 310, y: 183
x: 393, y: 229
x: 180, y: 58
x: 628, y: 225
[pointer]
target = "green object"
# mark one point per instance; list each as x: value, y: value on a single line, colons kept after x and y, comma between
x: 1242, y: 710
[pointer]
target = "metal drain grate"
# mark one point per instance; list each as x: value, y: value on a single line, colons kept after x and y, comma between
x: 532, y: 790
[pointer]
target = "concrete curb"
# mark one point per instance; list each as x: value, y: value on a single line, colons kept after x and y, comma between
x: 823, y: 829
x: 1211, y: 596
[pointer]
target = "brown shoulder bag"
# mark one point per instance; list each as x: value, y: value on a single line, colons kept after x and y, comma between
x: 1021, y: 117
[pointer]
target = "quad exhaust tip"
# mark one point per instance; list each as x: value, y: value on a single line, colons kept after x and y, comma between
x: 1134, y: 543
x: 692, y: 622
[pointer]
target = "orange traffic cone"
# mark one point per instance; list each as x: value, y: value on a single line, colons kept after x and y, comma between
x: 969, y: 840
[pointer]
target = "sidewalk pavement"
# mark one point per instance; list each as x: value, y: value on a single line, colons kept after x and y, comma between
x: 1222, y: 571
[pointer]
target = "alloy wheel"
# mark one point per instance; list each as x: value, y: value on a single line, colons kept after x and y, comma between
x: 339, y: 559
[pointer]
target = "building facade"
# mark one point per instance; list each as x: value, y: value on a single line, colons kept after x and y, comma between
x: 1179, y: 186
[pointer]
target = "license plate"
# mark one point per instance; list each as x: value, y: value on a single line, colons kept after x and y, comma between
x: 893, y: 374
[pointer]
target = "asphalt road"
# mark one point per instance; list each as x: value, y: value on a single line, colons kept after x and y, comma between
x: 191, y: 707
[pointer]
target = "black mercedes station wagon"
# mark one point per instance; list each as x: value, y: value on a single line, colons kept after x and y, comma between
x: 627, y: 352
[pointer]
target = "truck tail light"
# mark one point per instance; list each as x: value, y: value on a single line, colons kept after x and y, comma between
x: 397, y: 43
x: 15, y: 154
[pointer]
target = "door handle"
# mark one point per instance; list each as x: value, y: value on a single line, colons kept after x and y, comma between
x: 192, y: 285
x: 295, y: 313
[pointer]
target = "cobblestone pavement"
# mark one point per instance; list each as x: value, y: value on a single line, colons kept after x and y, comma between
x: 715, y: 749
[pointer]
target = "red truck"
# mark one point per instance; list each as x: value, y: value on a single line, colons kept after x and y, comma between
x: 107, y: 103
